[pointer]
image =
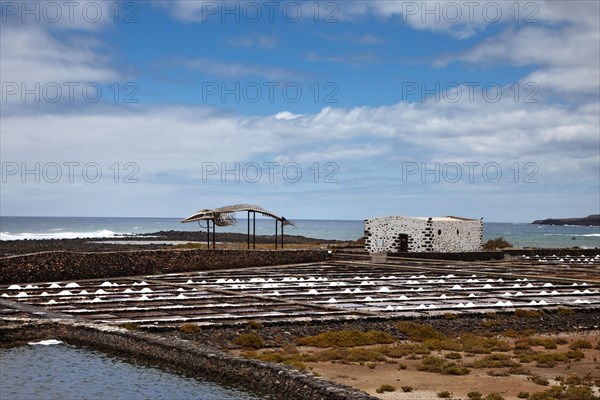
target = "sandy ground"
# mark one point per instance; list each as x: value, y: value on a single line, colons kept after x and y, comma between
x: 426, y: 385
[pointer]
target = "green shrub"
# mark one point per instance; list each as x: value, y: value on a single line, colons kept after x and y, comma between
x: 444, y: 394
x: 565, y: 312
x: 453, y: 369
x: 432, y: 364
x: 481, y: 345
x: 497, y: 243
x: 407, y: 389
x: 419, y: 332
x: 251, y: 340
x: 439, y: 365
x: 348, y: 355
x: 565, y: 393
x: 395, y: 351
x: 561, y: 340
x: 519, y: 370
x: 254, y: 325
x: 386, y: 388
x: 494, y: 396
x: 299, y: 365
x: 549, y: 360
x: 453, y: 356
x: 130, y: 326
x: 581, y: 344
x: 495, y: 360
x: 290, y: 349
x: 347, y: 338
x: 538, y: 380
x: 189, y: 328
x: 586, y: 380
x: 523, y: 395
x: 527, y: 343
x: 474, y: 395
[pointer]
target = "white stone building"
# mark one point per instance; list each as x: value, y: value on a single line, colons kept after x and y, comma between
x: 421, y: 234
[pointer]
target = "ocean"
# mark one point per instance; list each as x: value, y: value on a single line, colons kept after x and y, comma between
x: 518, y: 234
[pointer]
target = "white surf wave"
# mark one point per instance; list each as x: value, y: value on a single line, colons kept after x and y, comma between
x: 573, y: 234
x: 102, y: 233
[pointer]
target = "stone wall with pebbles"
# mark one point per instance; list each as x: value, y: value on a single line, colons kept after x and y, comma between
x: 414, y: 234
x: 61, y: 265
x: 275, y: 380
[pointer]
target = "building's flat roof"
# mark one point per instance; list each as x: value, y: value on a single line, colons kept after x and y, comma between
x: 447, y: 218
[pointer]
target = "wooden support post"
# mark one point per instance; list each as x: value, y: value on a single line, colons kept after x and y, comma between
x: 214, y: 242
x: 208, y: 233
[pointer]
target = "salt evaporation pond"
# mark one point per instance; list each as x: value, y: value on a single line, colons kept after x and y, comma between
x: 65, y: 372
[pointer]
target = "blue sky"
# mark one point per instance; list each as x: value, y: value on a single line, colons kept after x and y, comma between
x: 341, y: 110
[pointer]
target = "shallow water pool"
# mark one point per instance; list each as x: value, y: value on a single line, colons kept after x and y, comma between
x: 64, y: 372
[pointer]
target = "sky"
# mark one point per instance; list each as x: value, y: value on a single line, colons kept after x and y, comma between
x: 313, y: 110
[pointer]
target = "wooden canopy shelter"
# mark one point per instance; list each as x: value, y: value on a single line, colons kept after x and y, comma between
x: 225, y: 216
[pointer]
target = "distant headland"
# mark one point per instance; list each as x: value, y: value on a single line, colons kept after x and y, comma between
x: 589, y: 220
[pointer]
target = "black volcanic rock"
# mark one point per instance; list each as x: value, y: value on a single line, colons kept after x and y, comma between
x: 14, y: 247
x: 586, y: 221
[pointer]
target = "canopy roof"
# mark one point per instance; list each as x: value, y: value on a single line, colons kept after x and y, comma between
x: 225, y: 216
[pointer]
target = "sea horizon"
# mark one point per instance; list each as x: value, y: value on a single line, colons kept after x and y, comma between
x: 519, y: 234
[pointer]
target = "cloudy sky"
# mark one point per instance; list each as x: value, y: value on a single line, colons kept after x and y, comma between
x: 326, y: 110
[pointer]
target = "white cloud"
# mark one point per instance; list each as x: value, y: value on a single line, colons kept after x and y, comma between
x: 238, y: 70
x: 286, y: 115
x: 564, y: 51
x: 177, y: 138
x: 461, y: 19
x: 535, y: 46
x: 581, y: 80
x: 254, y: 41
x: 83, y: 15
x: 189, y: 11
x: 31, y: 54
x: 345, y: 152
x: 170, y: 145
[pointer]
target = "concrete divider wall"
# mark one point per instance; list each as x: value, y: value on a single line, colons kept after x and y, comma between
x: 455, y: 256
x: 497, y: 255
x: 60, y: 266
x: 551, y: 252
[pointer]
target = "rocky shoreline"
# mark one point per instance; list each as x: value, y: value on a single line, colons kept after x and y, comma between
x: 15, y: 247
x: 590, y: 220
